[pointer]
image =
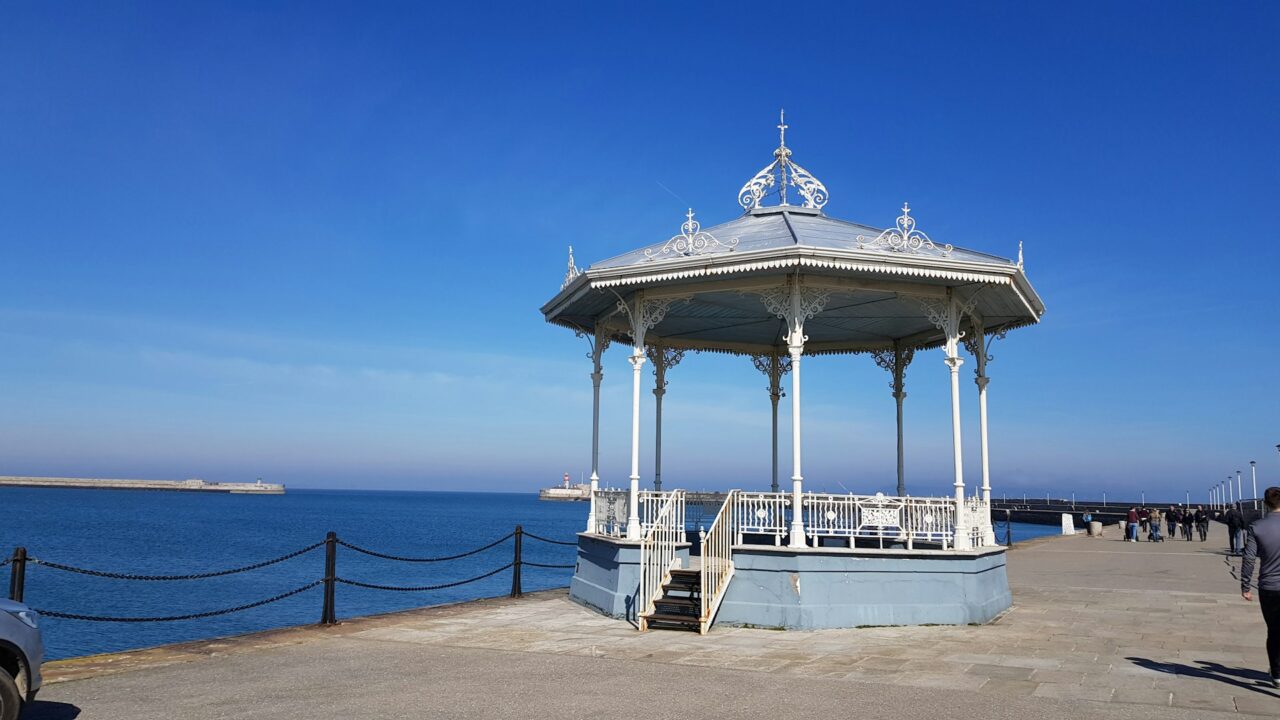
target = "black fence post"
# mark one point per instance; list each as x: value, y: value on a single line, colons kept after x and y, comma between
x: 18, y: 574
x: 516, y: 590
x: 327, y: 614
x: 1008, y: 529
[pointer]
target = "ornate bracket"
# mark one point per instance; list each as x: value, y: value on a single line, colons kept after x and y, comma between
x: 896, y: 362
x: 645, y: 315
x: 663, y: 359
x: 795, y: 303
x: 979, y: 345
x: 904, y: 238
x: 783, y: 172
x: 946, y: 316
x: 572, y: 273
x: 692, y: 241
x: 773, y: 367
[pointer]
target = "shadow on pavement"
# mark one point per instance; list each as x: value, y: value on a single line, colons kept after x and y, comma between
x: 1246, y: 678
x: 40, y: 710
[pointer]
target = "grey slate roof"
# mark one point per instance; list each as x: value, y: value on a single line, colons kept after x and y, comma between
x: 788, y: 227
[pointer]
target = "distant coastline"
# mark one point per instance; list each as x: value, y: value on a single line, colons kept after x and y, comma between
x: 190, y: 485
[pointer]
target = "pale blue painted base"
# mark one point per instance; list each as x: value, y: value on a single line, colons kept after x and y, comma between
x: 839, y: 588
x: 806, y: 589
x: 607, y: 578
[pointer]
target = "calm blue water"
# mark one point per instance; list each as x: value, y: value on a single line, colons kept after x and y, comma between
x: 173, y: 533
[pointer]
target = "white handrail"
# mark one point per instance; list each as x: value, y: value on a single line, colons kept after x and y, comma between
x: 658, y: 553
x: 717, y: 560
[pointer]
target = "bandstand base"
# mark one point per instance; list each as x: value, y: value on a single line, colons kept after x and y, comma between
x: 817, y: 588
x: 607, y: 578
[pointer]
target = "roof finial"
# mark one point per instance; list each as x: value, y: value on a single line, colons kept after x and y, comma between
x: 1019, y: 254
x: 779, y: 174
x: 572, y: 272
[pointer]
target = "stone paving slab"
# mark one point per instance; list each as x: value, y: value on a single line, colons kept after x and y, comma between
x: 1147, y: 630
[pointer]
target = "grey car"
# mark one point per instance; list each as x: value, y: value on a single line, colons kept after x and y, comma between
x: 21, y: 652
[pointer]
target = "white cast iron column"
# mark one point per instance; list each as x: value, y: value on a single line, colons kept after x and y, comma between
x: 633, y: 516
x: 976, y: 342
x: 644, y: 315
x: 795, y: 304
x: 946, y: 314
x: 599, y: 343
x: 795, y: 345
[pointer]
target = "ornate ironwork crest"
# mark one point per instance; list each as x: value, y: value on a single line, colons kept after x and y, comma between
x: 783, y: 172
x: 903, y: 238
x: 692, y: 240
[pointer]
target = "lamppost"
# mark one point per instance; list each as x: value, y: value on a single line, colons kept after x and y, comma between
x: 1239, y: 489
x: 1229, y: 498
x: 1188, y: 498
x: 1253, y: 469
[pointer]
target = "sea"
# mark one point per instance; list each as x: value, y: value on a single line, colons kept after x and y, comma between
x: 174, y: 533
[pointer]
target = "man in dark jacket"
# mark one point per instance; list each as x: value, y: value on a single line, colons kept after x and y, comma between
x: 1202, y: 523
x: 1263, y: 547
x: 1235, y: 523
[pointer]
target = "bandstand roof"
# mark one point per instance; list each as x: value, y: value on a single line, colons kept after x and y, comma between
x: 873, y: 278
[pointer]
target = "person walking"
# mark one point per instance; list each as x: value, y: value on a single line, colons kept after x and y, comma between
x: 1202, y: 523
x: 1187, y: 521
x: 1157, y: 520
x: 1172, y: 517
x: 1263, y: 548
x: 1131, y: 534
x: 1235, y: 523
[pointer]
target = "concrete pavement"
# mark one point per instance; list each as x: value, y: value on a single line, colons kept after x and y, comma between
x: 1100, y: 628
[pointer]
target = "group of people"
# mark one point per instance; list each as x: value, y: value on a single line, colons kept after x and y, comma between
x: 1148, y: 522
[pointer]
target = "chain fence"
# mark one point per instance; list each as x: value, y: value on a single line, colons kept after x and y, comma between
x: 20, y: 560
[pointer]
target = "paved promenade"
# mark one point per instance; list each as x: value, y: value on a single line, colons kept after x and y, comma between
x: 1100, y: 629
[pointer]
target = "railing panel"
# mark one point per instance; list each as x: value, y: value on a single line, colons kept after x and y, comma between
x: 658, y: 548
x: 717, y: 559
x: 760, y: 513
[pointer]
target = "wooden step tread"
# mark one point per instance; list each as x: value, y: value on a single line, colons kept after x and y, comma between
x: 673, y: 619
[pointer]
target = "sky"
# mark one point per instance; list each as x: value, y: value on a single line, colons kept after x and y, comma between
x: 308, y: 241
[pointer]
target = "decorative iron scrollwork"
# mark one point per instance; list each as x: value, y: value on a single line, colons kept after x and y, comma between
x: 903, y: 238
x: 692, y: 240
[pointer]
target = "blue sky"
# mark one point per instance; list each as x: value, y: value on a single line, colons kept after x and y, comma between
x: 309, y: 241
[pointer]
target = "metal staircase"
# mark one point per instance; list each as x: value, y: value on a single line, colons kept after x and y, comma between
x: 678, y: 598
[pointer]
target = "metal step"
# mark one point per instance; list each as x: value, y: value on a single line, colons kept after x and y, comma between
x: 685, y: 621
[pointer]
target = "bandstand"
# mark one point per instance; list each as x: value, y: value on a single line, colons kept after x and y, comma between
x: 781, y: 283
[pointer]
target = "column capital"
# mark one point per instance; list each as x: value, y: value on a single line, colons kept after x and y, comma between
x: 659, y: 392
x: 954, y: 362
x: 981, y: 381
x: 637, y: 359
x: 900, y: 395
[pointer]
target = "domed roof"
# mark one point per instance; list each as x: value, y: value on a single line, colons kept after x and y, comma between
x: 873, y: 280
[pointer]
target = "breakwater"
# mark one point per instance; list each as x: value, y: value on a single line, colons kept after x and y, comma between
x: 190, y: 485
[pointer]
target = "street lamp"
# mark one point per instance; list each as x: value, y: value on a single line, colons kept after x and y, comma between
x: 1229, y: 498
x: 1239, y: 489
x: 1253, y: 469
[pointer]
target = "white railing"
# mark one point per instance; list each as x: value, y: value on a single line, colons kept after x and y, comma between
x: 717, y: 560
x: 886, y: 519
x: 611, y: 510
x: 880, y: 517
x: 658, y: 552
x: 613, y: 506
x: 759, y: 513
